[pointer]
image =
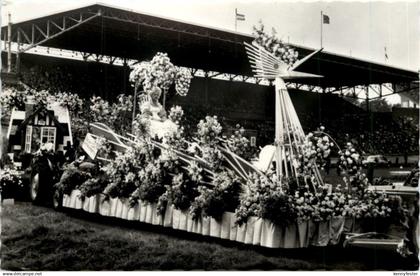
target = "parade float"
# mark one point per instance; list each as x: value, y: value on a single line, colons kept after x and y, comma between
x: 147, y: 169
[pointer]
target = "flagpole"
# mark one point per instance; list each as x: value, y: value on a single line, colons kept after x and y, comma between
x: 236, y: 12
x: 321, y: 27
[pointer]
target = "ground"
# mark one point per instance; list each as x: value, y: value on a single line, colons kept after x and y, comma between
x: 39, y: 238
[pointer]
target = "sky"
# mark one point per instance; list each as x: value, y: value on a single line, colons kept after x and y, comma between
x: 361, y: 29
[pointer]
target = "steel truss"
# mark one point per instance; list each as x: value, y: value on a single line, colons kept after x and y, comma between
x: 361, y: 92
x: 30, y: 37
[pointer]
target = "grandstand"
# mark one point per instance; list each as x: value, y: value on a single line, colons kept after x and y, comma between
x: 223, y: 83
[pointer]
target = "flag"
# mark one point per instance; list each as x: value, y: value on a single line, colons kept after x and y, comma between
x: 325, y: 19
x: 240, y: 17
x: 386, y: 54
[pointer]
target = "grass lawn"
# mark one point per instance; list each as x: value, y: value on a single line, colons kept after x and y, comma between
x: 39, y: 238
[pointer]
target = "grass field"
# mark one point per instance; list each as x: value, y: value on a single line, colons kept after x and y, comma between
x: 38, y: 238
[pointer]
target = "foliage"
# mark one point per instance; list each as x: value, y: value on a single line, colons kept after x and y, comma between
x: 123, y: 178
x: 71, y: 178
x: 152, y: 180
x: 92, y: 186
x: 223, y: 196
x: 182, y: 192
x: 10, y: 181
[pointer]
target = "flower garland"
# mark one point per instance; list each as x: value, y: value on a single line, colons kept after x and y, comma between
x: 182, y: 81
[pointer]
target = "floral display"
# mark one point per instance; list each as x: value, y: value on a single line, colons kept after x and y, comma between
x: 209, y: 130
x: 274, y: 45
x: 10, y: 181
x: 182, y: 81
x: 152, y: 180
x: 72, y: 178
x: 141, y: 125
x: 182, y: 192
x: 239, y: 144
x: 121, y: 113
x: 42, y: 98
x: 100, y: 110
x: 71, y: 101
x: 350, y: 165
x: 94, y: 185
x: 12, y: 98
x: 176, y: 114
x: 162, y: 73
x: 122, y: 177
x: 221, y: 197
x: 139, y: 73
x: 314, y: 152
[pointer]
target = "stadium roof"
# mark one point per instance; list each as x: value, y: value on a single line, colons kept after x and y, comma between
x: 105, y: 30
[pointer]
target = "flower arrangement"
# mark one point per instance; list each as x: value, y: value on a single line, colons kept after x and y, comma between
x: 152, y: 179
x: 41, y: 98
x: 100, y: 110
x: 209, y: 130
x: 141, y: 125
x: 10, y: 181
x: 315, y: 149
x: 239, y: 144
x: 71, y: 101
x: 12, y: 98
x: 379, y: 205
x: 182, y: 81
x: 274, y: 45
x: 221, y: 197
x: 71, y: 178
x: 121, y: 113
x: 139, y: 73
x: 176, y: 114
x: 162, y: 73
x: 94, y: 185
x: 122, y: 175
x: 182, y: 192
x: 264, y: 198
x: 350, y: 165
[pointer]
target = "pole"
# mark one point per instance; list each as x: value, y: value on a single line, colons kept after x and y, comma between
x: 9, y: 44
x: 134, y: 105
x: 321, y: 27
x: 279, y: 126
x: 18, y: 54
x: 236, y: 12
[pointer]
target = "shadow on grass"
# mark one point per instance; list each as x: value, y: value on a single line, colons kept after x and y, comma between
x: 38, y: 238
x: 325, y: 257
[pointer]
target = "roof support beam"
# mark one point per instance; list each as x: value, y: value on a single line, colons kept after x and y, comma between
x: 49, y: 32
